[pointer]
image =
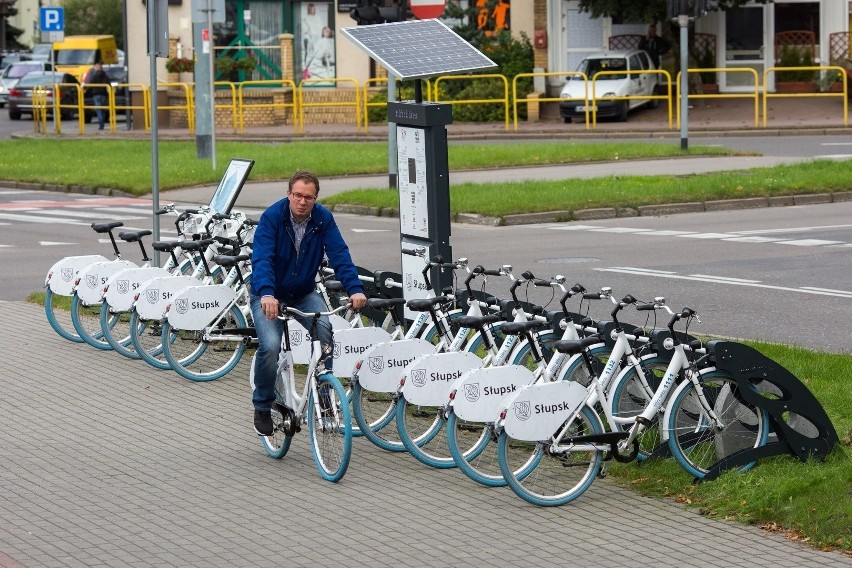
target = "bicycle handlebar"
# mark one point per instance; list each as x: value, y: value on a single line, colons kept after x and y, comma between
x: 284, y: 311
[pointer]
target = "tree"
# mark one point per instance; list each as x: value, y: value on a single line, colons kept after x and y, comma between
x: 8, y: 33
x: 95, y: 17
x: 644, y: 10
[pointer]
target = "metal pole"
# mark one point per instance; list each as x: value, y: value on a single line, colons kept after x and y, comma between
x: 155, y: 157
x: 392, y: 150
x: 683, y: 22
x: 212, y: 88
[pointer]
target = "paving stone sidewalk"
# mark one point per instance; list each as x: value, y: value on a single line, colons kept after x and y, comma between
x: 105, y: 461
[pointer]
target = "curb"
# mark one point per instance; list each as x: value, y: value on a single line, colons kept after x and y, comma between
x: 613, y: 212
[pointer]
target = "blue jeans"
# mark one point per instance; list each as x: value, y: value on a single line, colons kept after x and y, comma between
x: 100, y: 101
x: 269, y: 334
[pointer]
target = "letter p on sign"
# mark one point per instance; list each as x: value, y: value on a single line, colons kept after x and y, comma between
x: 52, y: 19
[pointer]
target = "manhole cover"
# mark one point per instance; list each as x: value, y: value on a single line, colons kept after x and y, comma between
x: 567, y: 260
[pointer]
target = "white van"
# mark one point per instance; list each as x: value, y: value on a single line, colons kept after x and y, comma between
x: 610, y: 85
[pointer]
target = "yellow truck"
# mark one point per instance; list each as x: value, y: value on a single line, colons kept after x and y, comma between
x: 77, y: 54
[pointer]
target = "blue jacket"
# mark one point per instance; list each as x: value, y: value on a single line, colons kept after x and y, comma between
x: 281, y: 271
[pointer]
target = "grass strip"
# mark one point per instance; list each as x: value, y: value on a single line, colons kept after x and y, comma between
x: 126, y: 164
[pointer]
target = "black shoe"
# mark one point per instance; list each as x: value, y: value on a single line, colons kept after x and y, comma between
x: 324, y: 398
x: 263, y: 422
x: 100, y: 127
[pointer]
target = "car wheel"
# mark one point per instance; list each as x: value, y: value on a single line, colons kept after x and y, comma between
x: 654, y: 103
x: 14, y: 114
x: 622, y: 112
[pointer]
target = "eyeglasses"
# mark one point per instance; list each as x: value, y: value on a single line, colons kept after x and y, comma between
x: 300, y: 197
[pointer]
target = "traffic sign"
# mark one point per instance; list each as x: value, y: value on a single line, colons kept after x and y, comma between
x: 51, y: 19
x: 428, y: 9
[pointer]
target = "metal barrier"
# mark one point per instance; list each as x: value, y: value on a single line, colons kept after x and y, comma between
x: 40, y: 109
x: 595, y: 98
x: 365, y: 99
x: 843, y: 94
x: 504, y: 100
x: 235, y: 114
x: 271, y: 83
x: 355, y: 103
x: 747, y: 70
x: 145, y: 107
x: 189, y: 107
x: 550, y: 99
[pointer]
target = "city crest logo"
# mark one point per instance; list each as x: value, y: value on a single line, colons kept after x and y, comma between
x: 295, y: 338
x: 181, y: 305
x: 471, y: 392
x: 152, y: 295
x: 377, y: 364
x: 67, y: 274
x: 418, y: 377
x: 336, y: 349
x: 123, y: 286
x: 91, y: 280
x: 522, y: 410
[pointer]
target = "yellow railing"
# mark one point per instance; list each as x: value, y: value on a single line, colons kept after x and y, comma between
x: 828, y: 68
x: 189, y: 105
x: 550, y: 99
x: 504, y: 100
x: 365, y: 97
x: 594, y: 98
x: 236, y: 115
x: 747, y: 70
x: 355, y: 103
x: 242, y: 105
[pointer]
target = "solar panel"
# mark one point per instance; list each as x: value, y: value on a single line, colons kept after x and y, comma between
x: 418, y: 49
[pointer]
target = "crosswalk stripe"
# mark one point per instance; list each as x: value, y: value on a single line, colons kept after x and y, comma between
x: 85, y: 214
x: 36, y: 219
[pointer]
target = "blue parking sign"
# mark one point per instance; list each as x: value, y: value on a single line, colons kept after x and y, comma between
x: 51, y: 19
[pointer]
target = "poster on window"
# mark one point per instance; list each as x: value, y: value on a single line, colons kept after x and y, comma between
x: 492, y: 17
x: 316, y: 42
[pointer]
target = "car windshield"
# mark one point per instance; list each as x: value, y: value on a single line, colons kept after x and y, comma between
x: 592, y: 66
x: 75, y: 56
x: 16, y: 70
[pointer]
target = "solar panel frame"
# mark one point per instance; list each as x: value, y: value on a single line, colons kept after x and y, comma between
x: 418, y: 49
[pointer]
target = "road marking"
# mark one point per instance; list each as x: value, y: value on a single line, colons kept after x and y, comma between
x: 668, y: 233
x: 135, y: 210
x: 833, y: 157
x: 619, y: 230
x: 708, y: 236
x: 576, y: 227
x: 34, y: 219
x: 726, y: 278
x: 54, y: 243
x: 646, y: 270
x: 809, y: 242
x: 84, y: 214
x: 752, y: 239
x: 370, y: 230
x: 835, y: 143
x: 793, y: 229
x: 826, y: 290
x: 728, y: 281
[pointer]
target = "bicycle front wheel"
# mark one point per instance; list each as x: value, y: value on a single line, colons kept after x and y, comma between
x: 697, y: 441
x: 548, y: 478
x: 375, y: 414
x: 195, y: 359
x: 331, y: 430
x: 474, y: 451
x: 418, y: 428
x: 146, y: 336
x: 87, y: 322
x: 58, y: 313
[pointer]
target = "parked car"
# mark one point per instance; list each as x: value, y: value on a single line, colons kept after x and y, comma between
x: 21, y: 95
x: 610, y: 85
x: 41, y: 52
x: 10, y: 75
x: 117, y: 76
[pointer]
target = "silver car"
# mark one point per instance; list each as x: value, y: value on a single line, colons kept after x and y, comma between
x: 15, y: 71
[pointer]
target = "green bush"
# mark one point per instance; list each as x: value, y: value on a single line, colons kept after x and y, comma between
x: 795, y: 56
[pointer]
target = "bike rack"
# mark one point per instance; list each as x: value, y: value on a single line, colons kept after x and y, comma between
x: 802, y: 427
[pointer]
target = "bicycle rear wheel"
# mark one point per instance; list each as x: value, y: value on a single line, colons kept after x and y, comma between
x: 278, y: 443
x: 116, y: 330
x: 474, y: 450
x: 193, y: 358
x: 59, y: 315
x: 375, y: 414
x: 547, y: 479
x: 87, y: 322
x: 330, y: 432
x: 418, y: 428
x: 696, y: 441
x: 146, y: 336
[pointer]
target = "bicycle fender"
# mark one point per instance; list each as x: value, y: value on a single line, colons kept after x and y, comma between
x: 478, y: 393
x: 122, y: 286
x: 196, y: 307
x: 382, y: 365
x: 428, y: 379
x: 63, y: 273
x: 536, y: 413
x: 351, y: 344
x: 152, y: 297
x: 90, y: 290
